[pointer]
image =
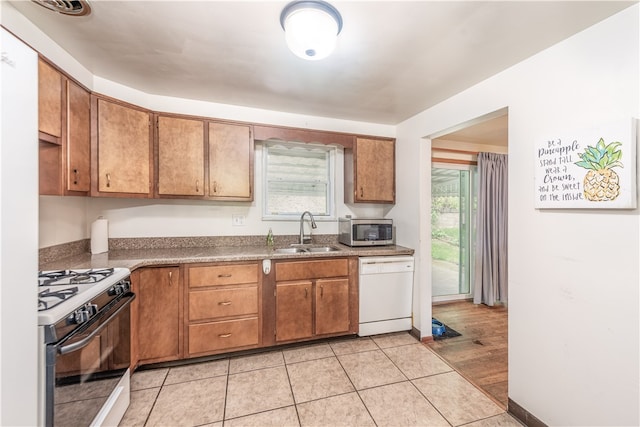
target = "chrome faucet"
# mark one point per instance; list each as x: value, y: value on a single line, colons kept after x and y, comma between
x: 307, y: 239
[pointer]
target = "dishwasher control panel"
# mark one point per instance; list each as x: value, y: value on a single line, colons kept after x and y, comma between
x: 390, y: 264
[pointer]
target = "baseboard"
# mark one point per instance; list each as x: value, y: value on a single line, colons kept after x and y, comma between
x: 524, y: 416
x: 415, y: 332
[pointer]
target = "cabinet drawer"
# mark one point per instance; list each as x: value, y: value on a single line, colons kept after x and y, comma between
x: 206, y: 337
x: 298, y: 270
x: 222, y: 275
x: 211, y: 303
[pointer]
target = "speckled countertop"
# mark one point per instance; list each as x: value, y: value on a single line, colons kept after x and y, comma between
x: 140, y: 257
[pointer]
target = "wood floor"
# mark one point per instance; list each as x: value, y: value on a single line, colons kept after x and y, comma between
x: 480, y: 353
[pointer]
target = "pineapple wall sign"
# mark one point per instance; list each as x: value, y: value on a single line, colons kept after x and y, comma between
x: 591, y: 168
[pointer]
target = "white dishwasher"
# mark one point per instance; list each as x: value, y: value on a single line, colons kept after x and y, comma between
x: 386, y: 292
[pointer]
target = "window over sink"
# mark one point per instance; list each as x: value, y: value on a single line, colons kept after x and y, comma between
x: 297, y: 178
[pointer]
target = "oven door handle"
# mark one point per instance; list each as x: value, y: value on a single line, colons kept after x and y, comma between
x: 70, y: 348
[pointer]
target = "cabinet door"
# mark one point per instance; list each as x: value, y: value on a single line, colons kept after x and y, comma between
x: 294, y: 310
x: 332, y: 306
x: 49, y: 100
x: 159, y: 325
x: 374, y: 170
x: 123, y: 149
x: 230, y: 161
x: 180, y: 156
x: 78, y: 138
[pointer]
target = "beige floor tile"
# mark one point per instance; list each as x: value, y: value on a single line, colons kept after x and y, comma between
x: 502, y: 420
x: 140, y: 406
x: 356, y: 345
x: 317, y: 379
x: 282, y: 417
x: 370, y: 369
x: 343, y: 410
x: 197, y: 371
x: 307, y: 352
x: 256, y: 361
x: 148, y: 379
x: 416, y: 361
x: 257, y: 391
x: 393, y: 340
x: 190, y: 404
x: 400, y: 404
x: 456, y: 398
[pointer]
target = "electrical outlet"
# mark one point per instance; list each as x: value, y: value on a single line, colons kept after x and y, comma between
x: 237, y: 220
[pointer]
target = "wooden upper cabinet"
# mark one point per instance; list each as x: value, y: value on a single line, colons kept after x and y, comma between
x: 124, y: 146
x: 180, y: 156
x: 78, y: 141
x: 49, y: 100
x: 373, y: 171
x: 230, y: 161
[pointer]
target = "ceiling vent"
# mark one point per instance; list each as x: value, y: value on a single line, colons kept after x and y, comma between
x: 66, y: 7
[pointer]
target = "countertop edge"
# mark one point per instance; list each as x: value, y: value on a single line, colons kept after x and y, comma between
x: 138, y: 258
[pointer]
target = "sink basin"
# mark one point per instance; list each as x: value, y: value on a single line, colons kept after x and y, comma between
x: 305, y: 249
x: 322, y: 249
x: 289, y: 250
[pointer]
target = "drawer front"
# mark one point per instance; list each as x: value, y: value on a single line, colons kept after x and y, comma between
x: 212, y: 303
x: 222, y: 275
x: 208, y: 337
x: 318, y: 269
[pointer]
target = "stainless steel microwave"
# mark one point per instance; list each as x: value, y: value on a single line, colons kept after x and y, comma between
x: 365, y: 232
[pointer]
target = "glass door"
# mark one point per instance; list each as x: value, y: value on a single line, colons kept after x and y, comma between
x: 453, y: 203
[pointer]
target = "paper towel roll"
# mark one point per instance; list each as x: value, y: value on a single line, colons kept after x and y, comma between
x: 99, y: 236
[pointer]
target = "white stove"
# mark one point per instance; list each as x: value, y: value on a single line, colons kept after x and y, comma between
x: 61, y: 292
x: 85, y: 352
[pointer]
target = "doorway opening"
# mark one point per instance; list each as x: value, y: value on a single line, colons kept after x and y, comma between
x: 480, y: 353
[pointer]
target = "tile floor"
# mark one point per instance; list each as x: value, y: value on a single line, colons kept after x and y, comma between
x: 384, y: 380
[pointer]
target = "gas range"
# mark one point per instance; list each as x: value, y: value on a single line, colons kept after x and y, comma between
x: 62, y: 292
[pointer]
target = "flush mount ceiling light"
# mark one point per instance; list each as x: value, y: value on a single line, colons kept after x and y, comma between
x: 66, y: 7
x: 311, y: 28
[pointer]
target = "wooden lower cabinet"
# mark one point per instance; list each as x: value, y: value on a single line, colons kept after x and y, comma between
x: 314, y: 299
x: 223, y: 308
x: 294, y: 311
x: 158, y: 314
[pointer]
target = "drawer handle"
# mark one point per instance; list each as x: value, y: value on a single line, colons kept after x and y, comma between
x: 224, y: 275
x: 306, y: 291
x: 197, y: 186
x: 171, y: 278
x: 75, y: 176
x: 224, y: 335
x: 108, y: 180
x: 224, y: 303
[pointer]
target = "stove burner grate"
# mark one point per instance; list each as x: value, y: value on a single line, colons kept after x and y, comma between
x: 74, y: 277
x: 56, y: 297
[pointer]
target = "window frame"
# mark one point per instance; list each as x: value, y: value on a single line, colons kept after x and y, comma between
x: 331, y: 151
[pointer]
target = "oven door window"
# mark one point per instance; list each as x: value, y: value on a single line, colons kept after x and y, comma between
x: 86, y: 376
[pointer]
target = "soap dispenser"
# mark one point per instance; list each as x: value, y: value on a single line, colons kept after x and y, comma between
x: 270, y: 239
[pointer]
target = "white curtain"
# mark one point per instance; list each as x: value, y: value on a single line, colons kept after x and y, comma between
x: 490, y: 284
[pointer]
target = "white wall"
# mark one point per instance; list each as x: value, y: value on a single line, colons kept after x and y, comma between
x: 573, y: 274
x: 18, y: 233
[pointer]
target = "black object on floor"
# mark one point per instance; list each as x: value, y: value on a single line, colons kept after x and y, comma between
x: 448, y: 333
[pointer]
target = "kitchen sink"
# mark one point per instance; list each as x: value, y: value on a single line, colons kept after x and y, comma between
x: 289, y: 250
x: 322, y: 249
x: 306, y: 249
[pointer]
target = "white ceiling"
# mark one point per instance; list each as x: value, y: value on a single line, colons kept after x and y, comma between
x: 393, y: 59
